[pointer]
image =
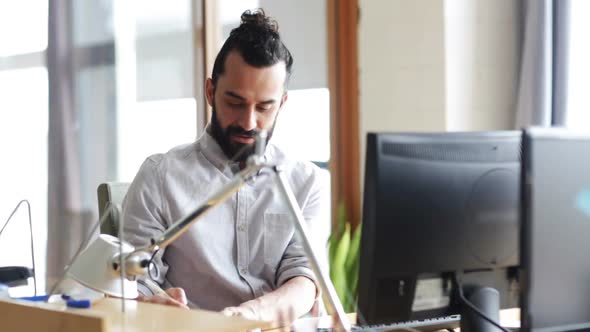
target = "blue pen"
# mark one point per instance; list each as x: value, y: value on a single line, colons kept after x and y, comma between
x: 79, y: 304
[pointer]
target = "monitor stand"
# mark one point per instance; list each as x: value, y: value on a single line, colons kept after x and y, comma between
x: 487, y: 300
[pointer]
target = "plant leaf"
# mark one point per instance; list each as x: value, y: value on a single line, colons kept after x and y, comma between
x: 337, y: 268
x: 353, y: 252
x: 352, y: 266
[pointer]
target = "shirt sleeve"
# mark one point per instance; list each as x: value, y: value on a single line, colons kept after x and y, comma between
x: 315, y: 202
x: 142, y: 217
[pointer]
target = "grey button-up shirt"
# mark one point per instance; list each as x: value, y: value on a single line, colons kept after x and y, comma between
x: 241, y: 249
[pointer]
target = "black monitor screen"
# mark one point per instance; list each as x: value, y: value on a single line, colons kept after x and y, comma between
x: 437, y: 205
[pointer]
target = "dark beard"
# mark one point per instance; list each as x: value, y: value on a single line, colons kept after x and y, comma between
x: 235, y: 151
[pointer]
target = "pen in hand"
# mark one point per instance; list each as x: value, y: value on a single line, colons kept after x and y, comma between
x: 174, y: 296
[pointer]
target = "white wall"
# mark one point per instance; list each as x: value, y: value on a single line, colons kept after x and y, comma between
x: 437, y: 65
x: 482, y: 41
x: 402, y: 65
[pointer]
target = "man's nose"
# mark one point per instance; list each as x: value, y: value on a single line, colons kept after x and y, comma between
x: 248, y: 119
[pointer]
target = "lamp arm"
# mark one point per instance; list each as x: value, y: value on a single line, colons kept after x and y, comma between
x: 333, y: 304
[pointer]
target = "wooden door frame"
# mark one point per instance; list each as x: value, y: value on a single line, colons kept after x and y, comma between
x: 343, y: 17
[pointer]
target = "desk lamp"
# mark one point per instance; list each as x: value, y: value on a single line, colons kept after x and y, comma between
x: 111, y: 266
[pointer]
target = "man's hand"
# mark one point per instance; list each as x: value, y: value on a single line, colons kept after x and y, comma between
x: 285, y: 304
x: 173, y: 297
x: 247, y: 310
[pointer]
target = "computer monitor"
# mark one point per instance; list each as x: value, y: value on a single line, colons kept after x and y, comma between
x: 438, y: 206
x: 555, y: 242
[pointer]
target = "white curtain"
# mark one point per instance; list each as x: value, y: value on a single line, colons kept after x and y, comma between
x: 81, y: 126
x: 543, y: 75
x: 64, y: 217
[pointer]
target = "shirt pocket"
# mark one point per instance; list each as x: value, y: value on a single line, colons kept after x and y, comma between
x: 278, y: 231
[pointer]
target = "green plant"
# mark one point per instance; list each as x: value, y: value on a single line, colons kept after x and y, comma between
x: 343, y: 253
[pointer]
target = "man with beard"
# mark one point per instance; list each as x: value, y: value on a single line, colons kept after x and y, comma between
x: 242, y: 257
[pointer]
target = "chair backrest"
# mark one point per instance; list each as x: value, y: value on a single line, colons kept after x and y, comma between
x: 111, y: 193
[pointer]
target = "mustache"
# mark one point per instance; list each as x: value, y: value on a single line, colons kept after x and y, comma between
x: 234, y: 130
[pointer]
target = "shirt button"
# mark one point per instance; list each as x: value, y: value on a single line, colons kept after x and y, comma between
x: 243, y: 271
x: 241, y: 227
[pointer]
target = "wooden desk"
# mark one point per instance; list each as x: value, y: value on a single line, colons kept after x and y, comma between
x: 106, y: 316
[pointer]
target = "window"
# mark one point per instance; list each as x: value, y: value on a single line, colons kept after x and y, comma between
x: 303, y: 126
x: 23, y: 27
x: 111, y: 141
x: 134, y: 88
x: 23, y: 133
x: 164, y: 112
x: 153, y: 126
x: 578, y: 104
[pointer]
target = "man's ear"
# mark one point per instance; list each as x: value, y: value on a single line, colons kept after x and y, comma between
x: 284, y: 100
x: 209, y: 91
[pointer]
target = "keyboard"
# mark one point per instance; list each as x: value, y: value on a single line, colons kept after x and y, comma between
x: 425, y: 325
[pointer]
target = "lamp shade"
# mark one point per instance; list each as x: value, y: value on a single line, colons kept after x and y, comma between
x: 93, y: 268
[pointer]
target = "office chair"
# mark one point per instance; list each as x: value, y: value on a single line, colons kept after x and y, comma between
x: 113, y: 193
